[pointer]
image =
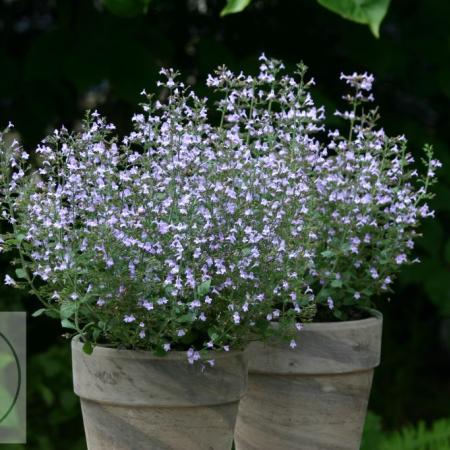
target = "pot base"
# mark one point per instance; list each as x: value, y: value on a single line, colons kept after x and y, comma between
x: 291, y: 412
x: 110, y: 427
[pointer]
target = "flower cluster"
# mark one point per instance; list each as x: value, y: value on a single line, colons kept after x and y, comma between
x: 191, y: 235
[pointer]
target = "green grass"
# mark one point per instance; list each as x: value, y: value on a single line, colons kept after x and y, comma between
x: 418, y: 437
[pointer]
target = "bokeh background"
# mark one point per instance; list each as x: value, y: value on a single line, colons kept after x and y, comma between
x: 59, y: 57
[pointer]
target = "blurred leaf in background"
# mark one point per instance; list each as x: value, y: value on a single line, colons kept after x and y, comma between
x: 367, y: 12
x: 235, y: 6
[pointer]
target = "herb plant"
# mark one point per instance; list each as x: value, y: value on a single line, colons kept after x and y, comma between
x: 193, y: 235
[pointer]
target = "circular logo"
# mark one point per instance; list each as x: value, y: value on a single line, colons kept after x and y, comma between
x: 10, y: 350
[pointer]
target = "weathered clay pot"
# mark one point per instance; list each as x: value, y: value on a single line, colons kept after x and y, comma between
x: 314, y: 397
x: 132, y: 400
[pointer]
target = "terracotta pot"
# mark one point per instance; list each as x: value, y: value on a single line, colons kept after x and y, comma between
x: 314, y: 397
x: 132, y: 400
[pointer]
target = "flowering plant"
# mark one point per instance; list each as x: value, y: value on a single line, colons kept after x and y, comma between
x: 371, y: 201
x: 187, y: 235
x: 363, y: 200
x: 178, y: 237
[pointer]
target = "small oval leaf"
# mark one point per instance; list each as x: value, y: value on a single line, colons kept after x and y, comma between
x: 234, y: 6
x: 88, y: 348
x: 204, y: 288
x: 39, y: 312
x: 21, y: 273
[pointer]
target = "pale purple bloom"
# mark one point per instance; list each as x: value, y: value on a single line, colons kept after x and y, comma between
x: 400, y: 259
x: 147, y: 305
x: 192, y: 355
x: 9, y: 281
x: 373, y: 273
x: 163, y: 227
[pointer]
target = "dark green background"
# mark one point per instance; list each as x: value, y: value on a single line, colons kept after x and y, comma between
x: 60, y: 57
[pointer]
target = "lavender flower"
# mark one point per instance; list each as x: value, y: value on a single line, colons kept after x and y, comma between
x: 9, y: 281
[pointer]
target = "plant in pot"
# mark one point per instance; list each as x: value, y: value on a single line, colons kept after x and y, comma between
x: 368, y: 201
x: 162, y: 254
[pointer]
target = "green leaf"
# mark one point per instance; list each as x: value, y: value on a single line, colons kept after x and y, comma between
x: 327, y: 254
x: 367, y: 12
x: 185, y: 318
x: 204, y: 288
x: 213, y: 334
x: 322, y: 294
x: 21, y: 273
x: 234, y: 6
x: 127, y: 8
x: 66, y: 323
x: 67, y: 309
x: 336, y: 283
x: 88, y: 348
x: 53, y: 313
x: 168, y: 289
x: 96, y: 333
x: 46, y: 394
x: 39, y: 312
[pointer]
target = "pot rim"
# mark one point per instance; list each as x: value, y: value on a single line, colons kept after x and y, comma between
x: 176, y: 355
x: 328, y: 348
x: 377, y: 317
